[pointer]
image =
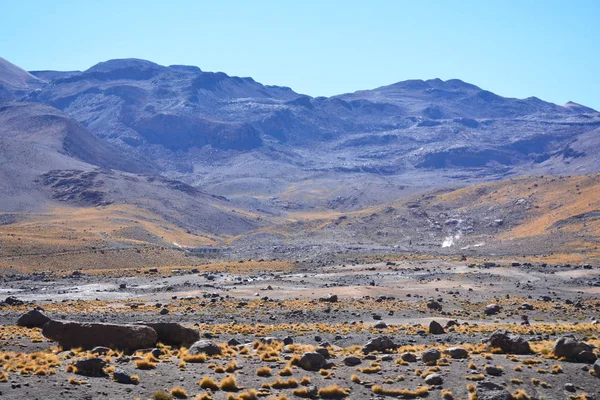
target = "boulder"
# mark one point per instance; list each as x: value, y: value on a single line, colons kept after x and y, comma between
x: 13, y: 301
x: 409, y: 357
x: 597, y: 368
x: 571, y: 348
x: 380, y: 343
x: 312, y: 361
x: 90, y: 366
x: 509, y: 343
x: 434, y: 305
x: 380, y: 325
x: 435, y: 328
x: 493, y: 371
x: 330, y: 298
x: 205, y: 346
x: 174, y: 334
x: 71, y: 334
x: 121, y: 376
x: 457, y: 352
x: 33, y: 319
x: 352, y: 361
x: 431, y: 355
x: 492, y: 309
x: 434, y: 379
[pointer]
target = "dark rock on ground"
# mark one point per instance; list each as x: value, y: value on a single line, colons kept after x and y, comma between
x: 205, y: 346
x: 71, y: 334
x: 509, y: 343
x: 33, y: 319
x: 380, y: 343
x: 174, y: 334
x: 312, y: 361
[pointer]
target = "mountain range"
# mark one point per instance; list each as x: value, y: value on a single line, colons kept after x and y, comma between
x: 222, y: 156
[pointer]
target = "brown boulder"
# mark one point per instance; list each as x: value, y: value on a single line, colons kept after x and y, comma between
x: 71, y: 334
x: 174, y: 334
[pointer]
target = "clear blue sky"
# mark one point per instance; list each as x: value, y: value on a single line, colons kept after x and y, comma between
x: 544, y: 48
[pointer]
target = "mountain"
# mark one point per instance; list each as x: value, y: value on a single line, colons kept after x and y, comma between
x: 129, y: 154
x: 15, y: 81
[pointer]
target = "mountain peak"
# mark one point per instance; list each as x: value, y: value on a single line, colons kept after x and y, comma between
x: 14, y: 77
x: 124, y: 63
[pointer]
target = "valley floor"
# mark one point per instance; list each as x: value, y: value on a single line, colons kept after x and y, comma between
x: 334, y: 310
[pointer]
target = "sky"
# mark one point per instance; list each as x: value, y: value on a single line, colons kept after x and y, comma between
x: 544, y: 48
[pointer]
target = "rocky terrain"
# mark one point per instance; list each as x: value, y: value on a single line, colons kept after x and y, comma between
x: 394, y: 329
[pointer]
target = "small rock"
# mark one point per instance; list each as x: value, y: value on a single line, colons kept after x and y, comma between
x: 409, y: 357
x: 434, y: 379
x: 430, y: 355
x: 494, y: 371
x: 457, y: 352
x: 121, y: 376
x: 90, y: 366
x: 492, y: 309
x: 351, y: 361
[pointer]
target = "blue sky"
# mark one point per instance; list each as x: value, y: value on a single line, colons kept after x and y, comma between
x: 544, y: 48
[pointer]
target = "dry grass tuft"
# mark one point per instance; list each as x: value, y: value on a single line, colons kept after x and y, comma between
x: 421, y: 391
x: 333, y: 392
x: 179, y: 393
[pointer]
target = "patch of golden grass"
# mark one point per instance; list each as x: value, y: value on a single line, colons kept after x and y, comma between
x: 208, y: 383
x: 333, y: 392
x: 179, y: 393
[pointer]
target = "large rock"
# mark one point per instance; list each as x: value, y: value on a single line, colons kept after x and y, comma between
x: 457, y: 352
x: 435, y: 328
x: 33, y: 319
x: 90, y: 366
x: 71, y: 334
x: 122, y: 376
x: 330, y: 298
x: 352, y: 361
x: 205, y: 346
x: 571, y: 348
x: 174, y: 334
x: 431, y: 355
x: 434, y: 379
x: 492, y: 309
x: 312, y: 361
x: 597, y: 368
x: 509, y: 343
x: 380, y: 343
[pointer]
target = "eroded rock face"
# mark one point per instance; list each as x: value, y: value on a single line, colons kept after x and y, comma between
x: 71, y: 334
x: 509, y: 343
x: 33, y: 319
x: 174, y: 334
x: 573, y: 349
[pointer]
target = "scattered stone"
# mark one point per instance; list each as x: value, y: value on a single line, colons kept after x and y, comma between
x: 380, y: 343
x: 33, y: 319
x: 121, y: 376
x: 492, y: 309
x: 330, y: 298
x: 174, y: 334
x: 380, y: 325
x: 90, y: 366
x: 435, y: 328
x: 434, y: 305
x: 71, y: 334
x: 571, y: 348
x: 457, y: 352
x: 351, y: 361
x: 409, y: 357
x: 509, y: 343
x: 434, y: 379
x: 312, y: 361
x: 569, y: 387
x: 288, y: 340
x: 430, y: 355
x: 13, y: 301
x: 205, y: 346
x: 494, y: 371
